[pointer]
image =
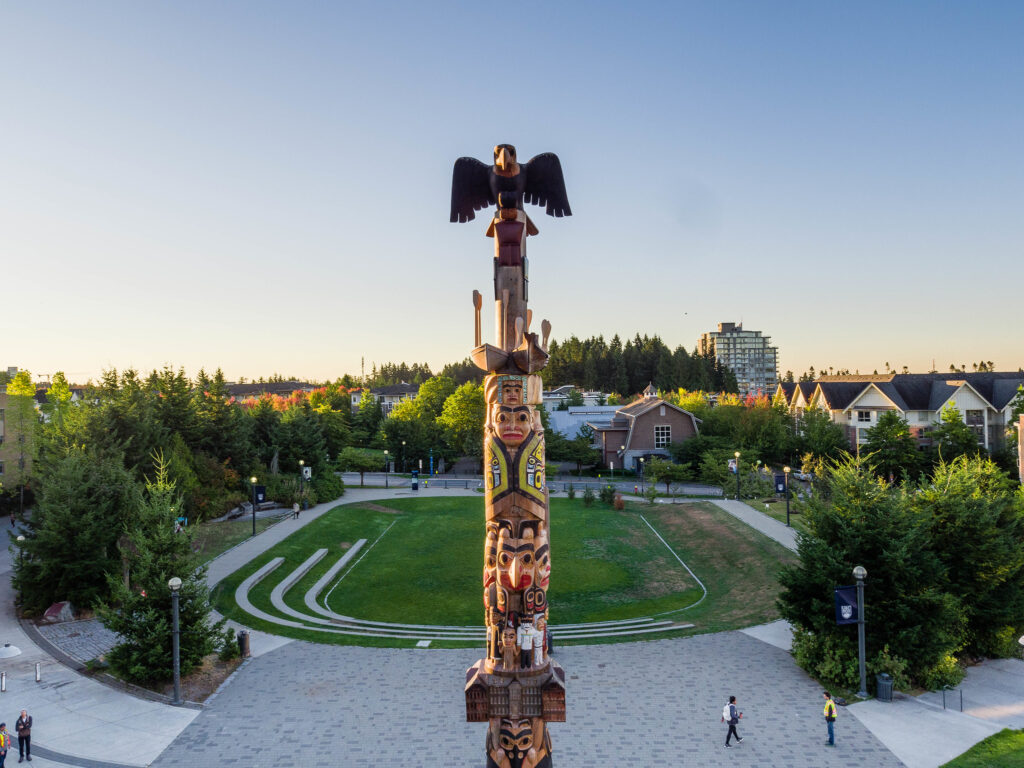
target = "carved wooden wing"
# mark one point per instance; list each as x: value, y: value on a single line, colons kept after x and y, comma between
x: 546, y: 186
x: 471, y: 188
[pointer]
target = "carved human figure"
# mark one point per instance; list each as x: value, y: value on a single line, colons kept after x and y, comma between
x: 509, y: 649
x: 512, y: 423
x: 540, y: 649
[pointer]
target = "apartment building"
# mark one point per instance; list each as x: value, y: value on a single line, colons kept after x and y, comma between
x: 748, y: 354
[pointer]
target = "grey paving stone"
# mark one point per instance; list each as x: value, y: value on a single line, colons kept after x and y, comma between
x: 641, y: 704
x: 83, y: 640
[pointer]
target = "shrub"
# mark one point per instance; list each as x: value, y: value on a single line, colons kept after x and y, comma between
x: 832, y: 659
x: 571, y: 492
x: 893, y: 665
x: 651, y: 494
x: 588, y: 497
x: 326, y: 485
x: 618, y: 503
x: 607, y: 494
x: 228, y: 645
x: 947, y: 671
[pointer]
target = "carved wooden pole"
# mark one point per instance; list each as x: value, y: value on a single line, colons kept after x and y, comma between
x: 517, y: 688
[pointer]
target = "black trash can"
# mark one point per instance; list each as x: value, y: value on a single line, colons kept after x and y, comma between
x: 243, y: 644
x: 415, y: 480
x: 884, y: 691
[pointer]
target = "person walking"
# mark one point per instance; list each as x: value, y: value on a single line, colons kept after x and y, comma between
x: 830, y: 717
x: 5, y: 743
x: 24, y: 730
x: 731, y: 716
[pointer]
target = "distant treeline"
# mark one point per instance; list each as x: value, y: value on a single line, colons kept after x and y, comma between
x: 594, y: 365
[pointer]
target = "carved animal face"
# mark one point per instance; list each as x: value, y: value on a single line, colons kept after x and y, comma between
x: 534, y: 600
x: 505, y: 157
x: 516, y: 567
x: 490, y: 558
x: 515, y: 739
x: 543, y: 557
x: 512, y: 423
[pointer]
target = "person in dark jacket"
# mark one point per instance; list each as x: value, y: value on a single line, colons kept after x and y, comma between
x: 24, y: 730
x: 733, y: 720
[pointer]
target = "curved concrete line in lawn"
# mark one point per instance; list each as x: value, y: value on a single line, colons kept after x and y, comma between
x: 406, y: 631
x: 677, y: 557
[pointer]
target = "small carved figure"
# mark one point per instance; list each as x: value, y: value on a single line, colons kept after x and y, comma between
x: 509, y: 649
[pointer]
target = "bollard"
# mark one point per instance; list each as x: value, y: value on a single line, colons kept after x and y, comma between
x: 3, y: 682
x: 243, y: 644
x: 39, y: 674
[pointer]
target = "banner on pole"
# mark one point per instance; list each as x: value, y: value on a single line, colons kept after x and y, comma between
x: 846, y: 605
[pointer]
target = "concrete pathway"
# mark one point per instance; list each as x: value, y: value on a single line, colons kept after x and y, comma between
x: 769, y: 526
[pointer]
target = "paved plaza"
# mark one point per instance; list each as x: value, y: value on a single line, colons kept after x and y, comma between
x: 643, y: 703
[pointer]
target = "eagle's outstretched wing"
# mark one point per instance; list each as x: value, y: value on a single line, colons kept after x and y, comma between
x: 471, y: 188
x: 545, y: 185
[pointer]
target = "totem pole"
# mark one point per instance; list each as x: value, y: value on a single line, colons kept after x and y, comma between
x: 517, y: 688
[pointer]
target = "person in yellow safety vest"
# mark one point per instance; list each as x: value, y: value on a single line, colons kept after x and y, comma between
x: 5, y: 743
x: 830, y: 717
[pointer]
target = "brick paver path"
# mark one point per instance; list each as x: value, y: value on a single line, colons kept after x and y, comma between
x: 641, y: 704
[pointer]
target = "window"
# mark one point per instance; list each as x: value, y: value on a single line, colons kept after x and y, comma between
x: 863, y: 417
x: 974, y: 418
x: 662, y: 436
x: 1, y: 468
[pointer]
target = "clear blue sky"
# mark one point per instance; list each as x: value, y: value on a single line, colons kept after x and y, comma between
x: 265, y: 186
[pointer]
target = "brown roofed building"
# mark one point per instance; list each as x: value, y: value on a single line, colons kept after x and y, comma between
x: 643, y: 429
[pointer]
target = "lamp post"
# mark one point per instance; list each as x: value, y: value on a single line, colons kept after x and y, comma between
x: 252, y: 482
x: 175, y: 584
x: 21, y: 551
x: 642, y: 489
x: 431, y: 462
x: 386, y: 467
x: 302, y: 482
x: 859, y: 573
x: 403, y: 455
x: 785, y: 471
x: 737, y: 455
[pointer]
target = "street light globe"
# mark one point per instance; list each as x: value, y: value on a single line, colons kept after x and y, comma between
x: 302, y: 462
x: 860, y: 572
x: 737, y: 454
x: 253, y: 479
x: 786, y: 470
x: 21, y: 539
x: 385, y: 452
x: 174, y: 583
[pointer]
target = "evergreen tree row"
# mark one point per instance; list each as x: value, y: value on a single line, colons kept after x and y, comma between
x: 626, y: 369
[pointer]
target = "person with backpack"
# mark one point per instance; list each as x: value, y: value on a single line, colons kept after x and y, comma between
x: 731, y: 716
x: 5, y: 743
x: 830, y: 717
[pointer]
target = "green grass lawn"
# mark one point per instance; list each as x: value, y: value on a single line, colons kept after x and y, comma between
x: 1003, y: 750
x: 426, y: 568
x: 213, y: 539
